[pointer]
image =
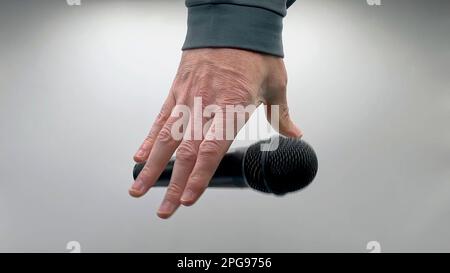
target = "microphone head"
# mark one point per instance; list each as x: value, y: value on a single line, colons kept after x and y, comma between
x: 289, y: 167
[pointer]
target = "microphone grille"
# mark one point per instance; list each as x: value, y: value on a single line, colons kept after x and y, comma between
x: 253, y: 168
x: 290, y: 167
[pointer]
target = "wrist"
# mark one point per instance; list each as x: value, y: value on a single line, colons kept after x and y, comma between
x: 234, y: 26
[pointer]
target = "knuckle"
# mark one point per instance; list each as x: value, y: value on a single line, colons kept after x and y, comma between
x: 174, y: 191
x: 209, y: 149
x: 165, y: 135
x: 150, y: 138
x: 186, y: 153
x: 160, y: 118
x: 278, y: 81
x: 152, y: 134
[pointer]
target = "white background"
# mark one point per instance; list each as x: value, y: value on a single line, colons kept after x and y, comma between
x: 80, y: 86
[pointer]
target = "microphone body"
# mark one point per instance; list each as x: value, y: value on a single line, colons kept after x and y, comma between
x: 229, y: 173
x: 290, y: 166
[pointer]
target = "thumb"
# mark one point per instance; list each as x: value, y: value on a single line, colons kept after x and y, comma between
x: 277, y: 113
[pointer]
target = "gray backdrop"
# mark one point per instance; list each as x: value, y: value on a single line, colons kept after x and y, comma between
x: 80, y: 86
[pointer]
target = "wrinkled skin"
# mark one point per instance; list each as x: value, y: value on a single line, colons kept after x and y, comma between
x: 222, y: 77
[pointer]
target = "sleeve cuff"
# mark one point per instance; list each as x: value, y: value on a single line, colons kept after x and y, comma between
x: 234, y: 26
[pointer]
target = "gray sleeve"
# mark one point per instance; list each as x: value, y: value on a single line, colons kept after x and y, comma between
x: 246, y: 24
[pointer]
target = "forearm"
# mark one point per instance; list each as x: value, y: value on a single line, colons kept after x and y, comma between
x: 246, y: 24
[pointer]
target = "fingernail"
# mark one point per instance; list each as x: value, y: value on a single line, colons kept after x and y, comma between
x: 188, y: 196
x: 167, y: 207
x: 138, y: 185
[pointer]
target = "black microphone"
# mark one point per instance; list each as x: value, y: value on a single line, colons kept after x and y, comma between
x: 287, y: 168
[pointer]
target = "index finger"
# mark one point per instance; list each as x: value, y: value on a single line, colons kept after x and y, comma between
x: 164, y: 147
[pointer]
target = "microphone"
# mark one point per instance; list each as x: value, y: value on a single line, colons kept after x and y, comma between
x: 288, y: 168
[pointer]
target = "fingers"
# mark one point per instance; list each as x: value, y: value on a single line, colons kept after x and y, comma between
x: 145, y: 148
x: 277, y: 113
x: 184, y: 163
x: 164, y: 147
x: 210, y: 153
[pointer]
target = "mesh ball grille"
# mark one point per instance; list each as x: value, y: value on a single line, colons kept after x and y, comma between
x: 290, y: 167
x: 253, y: 168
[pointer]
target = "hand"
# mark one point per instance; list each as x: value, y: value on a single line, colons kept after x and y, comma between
x: 219, y: 77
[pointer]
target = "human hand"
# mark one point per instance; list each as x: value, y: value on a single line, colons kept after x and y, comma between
x: 220, y: 77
